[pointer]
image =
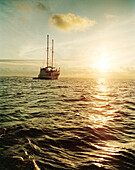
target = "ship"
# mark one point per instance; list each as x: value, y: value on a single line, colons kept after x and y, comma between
x: 49, y: 72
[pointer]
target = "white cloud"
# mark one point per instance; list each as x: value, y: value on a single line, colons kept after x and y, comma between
x: 23, y: 6
x: 70, y: 22
x: 110, y: 16
x: 30, y: 7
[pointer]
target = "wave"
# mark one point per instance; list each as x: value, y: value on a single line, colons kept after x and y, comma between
x: 66, y: 124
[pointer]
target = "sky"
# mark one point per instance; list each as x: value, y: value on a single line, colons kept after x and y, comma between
x: 92, y: 38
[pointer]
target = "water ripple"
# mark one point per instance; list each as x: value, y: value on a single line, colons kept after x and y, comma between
x: 67, y: 124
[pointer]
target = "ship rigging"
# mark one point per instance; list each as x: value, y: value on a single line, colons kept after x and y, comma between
x: 49, y: 72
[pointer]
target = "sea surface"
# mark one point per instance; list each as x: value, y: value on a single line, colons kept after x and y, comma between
x: 67, y: 124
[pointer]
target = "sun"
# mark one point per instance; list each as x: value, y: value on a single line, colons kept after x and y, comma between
x: 102, y: 65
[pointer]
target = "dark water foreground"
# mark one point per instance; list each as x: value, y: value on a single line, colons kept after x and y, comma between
x: 67, y: 124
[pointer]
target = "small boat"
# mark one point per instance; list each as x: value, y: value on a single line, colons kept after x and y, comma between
x: 49, y: 72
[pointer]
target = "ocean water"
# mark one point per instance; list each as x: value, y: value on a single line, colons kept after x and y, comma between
x: 67, y: 124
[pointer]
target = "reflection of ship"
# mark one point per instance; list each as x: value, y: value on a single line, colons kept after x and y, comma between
x: 49, y: 72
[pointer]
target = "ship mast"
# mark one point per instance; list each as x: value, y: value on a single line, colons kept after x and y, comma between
x: 47, y: 49
x: 52, y: 54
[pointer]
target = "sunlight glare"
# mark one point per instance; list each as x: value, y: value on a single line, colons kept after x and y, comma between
x: 103, y: 65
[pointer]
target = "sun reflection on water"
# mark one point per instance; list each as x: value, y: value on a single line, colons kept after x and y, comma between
x: 101, y: 85
x: 98, y: 121
x: 100, y: 118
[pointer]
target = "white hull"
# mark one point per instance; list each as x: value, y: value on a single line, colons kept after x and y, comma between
x: 51, y: 74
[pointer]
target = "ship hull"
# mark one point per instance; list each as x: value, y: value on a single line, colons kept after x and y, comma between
x: 48, y: 74
x: 46, y: 78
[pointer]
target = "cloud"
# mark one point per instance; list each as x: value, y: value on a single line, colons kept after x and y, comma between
x: 28, y: 7
x: 130, y: 70
x: 22, y: 19
x: 70, y: 22
x: 110, y: 16
x: 41, y: 6
x: 23, y: 6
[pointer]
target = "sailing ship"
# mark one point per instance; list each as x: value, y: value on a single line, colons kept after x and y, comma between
x: 49, y: 72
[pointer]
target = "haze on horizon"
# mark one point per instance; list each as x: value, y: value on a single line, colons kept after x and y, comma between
x: 91, y: 38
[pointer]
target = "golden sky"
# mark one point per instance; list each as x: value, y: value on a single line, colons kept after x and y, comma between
x: 91, y: 38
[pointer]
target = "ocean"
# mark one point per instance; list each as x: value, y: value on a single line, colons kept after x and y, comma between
x: 69, y: 123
